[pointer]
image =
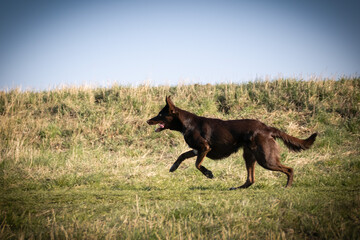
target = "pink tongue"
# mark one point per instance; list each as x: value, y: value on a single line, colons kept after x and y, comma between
x: 161, y: 126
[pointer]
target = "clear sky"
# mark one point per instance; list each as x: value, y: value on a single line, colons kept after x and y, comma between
x: 45, y: 44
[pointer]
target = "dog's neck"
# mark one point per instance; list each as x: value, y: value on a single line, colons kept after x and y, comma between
x: 185, y: 120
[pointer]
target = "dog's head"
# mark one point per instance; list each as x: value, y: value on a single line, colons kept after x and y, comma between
x: 166, y: 117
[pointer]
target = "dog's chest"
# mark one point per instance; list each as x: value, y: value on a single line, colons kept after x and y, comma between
x: 189, y: 139
x: 192, y: 139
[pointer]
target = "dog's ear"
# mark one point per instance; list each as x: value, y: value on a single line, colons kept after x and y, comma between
x: 171, y: 105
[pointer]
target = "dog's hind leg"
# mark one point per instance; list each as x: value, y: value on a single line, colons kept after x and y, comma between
x: 268, y: 156
x: 250, y: 162
x: 181, y: 158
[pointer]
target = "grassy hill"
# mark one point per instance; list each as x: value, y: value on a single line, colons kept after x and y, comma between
x: 83, y: 163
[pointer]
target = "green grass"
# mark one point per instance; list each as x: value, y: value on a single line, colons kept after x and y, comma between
x: 81, y: 163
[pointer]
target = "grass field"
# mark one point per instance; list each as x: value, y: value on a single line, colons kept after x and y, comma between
x: 80, y: 163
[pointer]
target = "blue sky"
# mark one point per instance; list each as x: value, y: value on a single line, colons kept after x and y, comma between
x: 46, y: 44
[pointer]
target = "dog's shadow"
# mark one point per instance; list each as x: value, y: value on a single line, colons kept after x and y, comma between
x: 203, y: 188
x: 207, y: 188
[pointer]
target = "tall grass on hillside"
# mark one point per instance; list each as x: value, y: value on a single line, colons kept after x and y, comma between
x: 83, y: 163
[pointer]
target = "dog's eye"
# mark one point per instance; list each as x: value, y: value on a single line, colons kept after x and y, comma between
x: 160, y: 115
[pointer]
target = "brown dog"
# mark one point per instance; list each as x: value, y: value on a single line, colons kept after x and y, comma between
x: 217, y: 139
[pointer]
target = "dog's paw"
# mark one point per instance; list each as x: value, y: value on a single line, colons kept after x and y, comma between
x: 174, y: 167
x: 209, y: 174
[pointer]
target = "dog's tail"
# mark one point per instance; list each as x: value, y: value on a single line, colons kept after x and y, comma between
x: 293, y: 143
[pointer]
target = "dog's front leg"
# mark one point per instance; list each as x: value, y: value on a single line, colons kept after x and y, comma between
x: 181, y: 158
x: 200, y: 158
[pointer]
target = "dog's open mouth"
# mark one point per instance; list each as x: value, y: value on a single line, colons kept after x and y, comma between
x: 160, y: 128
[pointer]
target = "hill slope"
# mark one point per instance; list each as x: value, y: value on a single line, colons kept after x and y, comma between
x: 83, y: 163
